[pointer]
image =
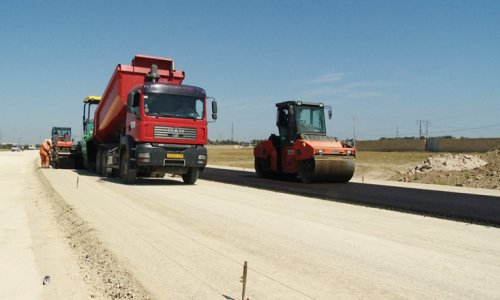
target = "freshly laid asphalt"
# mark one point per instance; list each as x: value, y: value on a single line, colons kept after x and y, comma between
x: 459, y: 206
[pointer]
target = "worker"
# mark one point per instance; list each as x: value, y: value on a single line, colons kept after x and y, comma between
x: 45, y: 148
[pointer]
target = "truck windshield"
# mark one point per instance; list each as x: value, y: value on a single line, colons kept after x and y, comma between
x: 61, y: 131
x: 176, y: 106
x: 310, y: 119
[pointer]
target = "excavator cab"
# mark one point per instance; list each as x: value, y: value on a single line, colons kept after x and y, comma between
x: 303, y: 147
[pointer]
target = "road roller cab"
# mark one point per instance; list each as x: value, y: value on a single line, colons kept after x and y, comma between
x: 302, y: 147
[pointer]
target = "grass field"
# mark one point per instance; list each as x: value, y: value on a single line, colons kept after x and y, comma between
x: 374, y: 165
x: 241, y: 158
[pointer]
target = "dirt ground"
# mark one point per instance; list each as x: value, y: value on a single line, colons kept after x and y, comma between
x: 395, y: 166
x: 476, y: 176
x: 47, y: 250
x: 99, y: 239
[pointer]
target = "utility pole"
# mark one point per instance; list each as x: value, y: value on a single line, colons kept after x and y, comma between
x: 232, y: 133
x: 423, y: 128
x: 354, y: 130
x: 397, y: 131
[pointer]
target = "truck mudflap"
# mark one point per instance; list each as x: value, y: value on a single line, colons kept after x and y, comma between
x: 147, y: 155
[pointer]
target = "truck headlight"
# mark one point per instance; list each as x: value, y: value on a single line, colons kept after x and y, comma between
x: 144, y: 157
x: 202, y: 157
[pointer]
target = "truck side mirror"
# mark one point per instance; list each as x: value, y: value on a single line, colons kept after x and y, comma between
x: 130, y: 102
x: 214, y: 108
x: 133, y: 101
x: 329, y: 111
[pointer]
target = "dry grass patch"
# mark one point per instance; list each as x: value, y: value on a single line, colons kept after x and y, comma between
x: 375, y: 165
x: 223, y: 156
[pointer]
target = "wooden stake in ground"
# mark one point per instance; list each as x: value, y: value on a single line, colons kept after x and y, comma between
x: 244, y: 280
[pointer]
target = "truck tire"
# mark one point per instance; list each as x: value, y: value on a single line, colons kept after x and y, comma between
x: 127, y: 175
x: 191, y: 176
x: 78, y: 157
x: 54, y: 159
x: 105, y: 171
x: 79, y: 161
x: 98, y: 162
x: 115, y: 172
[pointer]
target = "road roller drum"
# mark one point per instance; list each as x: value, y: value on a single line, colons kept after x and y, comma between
x: 326, y: 169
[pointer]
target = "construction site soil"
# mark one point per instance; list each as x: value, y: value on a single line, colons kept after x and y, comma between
x: 476, y: 171
x: 74, y: 235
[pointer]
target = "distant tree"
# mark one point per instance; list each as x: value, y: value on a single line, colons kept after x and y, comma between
x: 256, y: 141
x: 398, y: 138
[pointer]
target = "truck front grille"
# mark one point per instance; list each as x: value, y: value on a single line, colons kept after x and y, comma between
x: 179, y: 133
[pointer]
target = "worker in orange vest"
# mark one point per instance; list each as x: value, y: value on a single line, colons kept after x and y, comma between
x: 45, y: 148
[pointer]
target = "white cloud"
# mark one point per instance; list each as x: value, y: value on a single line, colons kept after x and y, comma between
x: 366, y: 94
x: 330, y: 77
x: 350, y: 90
x: 324, y: 91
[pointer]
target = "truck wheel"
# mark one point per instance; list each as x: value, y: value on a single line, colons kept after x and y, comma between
x: 191, y: 176
x: 115, y: 172
x: 55, y: 163
x: 98, y: 162
x: 79, y: 161
x: 128, y: 176
x: 105, y: 171
x: 78, y: 157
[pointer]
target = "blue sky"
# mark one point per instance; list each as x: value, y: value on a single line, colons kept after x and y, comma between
x: 389, y: 63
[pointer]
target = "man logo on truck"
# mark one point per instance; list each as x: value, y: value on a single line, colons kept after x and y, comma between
x: 175, y: 132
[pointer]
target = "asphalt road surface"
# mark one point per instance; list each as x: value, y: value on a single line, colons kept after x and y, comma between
x: 481, y: 206
x: 163, y: 239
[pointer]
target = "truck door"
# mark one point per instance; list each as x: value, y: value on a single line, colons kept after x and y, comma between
x: 133, y: 113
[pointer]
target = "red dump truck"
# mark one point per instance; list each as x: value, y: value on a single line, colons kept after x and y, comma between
x: 148, y: 123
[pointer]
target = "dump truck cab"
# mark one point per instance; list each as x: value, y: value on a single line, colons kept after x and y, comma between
x: 170, y: 123
x: 184, y: 107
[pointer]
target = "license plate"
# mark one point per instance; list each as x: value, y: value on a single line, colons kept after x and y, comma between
x: 175, y: 155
